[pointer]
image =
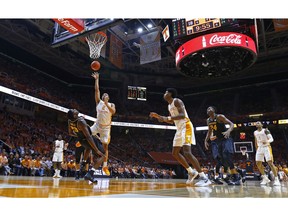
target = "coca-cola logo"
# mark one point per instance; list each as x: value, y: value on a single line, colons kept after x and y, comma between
x: 225, y: 39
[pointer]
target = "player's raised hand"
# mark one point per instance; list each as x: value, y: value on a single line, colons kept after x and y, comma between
x: 95, y: 75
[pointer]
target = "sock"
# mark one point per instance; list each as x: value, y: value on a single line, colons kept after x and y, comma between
x: 105, y: 164
x: 77, y: 173
x: 56, y: 171
x: 189, y: 170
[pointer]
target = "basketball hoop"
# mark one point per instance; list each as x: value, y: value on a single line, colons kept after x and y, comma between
x: 244, y: 152
x: 96, y: 42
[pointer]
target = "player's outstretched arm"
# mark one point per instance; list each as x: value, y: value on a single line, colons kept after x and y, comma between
x: 95, y: 75
x: 161, y: 118
x: 154, y: 115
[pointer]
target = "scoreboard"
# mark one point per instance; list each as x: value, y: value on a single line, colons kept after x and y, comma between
x: 199, y: 25
x: 184, y: 27
x: 137, y: 93
x: 179, y: 28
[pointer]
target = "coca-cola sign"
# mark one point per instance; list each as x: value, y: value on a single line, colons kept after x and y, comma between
x: 214, y: 40
x: 225, y: 39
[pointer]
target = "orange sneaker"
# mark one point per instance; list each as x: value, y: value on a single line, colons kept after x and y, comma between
x: 106, y: 170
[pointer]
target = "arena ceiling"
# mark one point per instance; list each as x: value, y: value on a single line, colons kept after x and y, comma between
x: 29, y: 41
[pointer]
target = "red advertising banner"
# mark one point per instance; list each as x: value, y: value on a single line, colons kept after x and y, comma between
x: 218, y: 39
x: 72, y: 25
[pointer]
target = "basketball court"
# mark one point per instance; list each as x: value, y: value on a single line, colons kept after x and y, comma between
x: 47, y: 187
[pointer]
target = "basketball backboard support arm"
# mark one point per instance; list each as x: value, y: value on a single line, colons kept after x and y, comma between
x: 62, y: 36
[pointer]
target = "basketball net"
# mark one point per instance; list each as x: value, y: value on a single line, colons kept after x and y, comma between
x: 96, y: 42
x: 244, y: 152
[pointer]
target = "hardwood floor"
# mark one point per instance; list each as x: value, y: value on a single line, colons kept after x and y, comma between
x: 47, y: 187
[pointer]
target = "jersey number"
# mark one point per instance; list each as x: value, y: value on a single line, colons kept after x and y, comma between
x: 213, y: 127
x: 75, y: 129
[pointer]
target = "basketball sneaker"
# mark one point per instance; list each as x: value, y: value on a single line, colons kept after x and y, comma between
x: 242, y: 174
x: 276, y: 182
x: 236, y: 179
x: 203, y: 181
x: 55, y: 174
x: 217, y: 181
x: 265, y: 180
x: 89, y: 177
x: 228, y: 181
x: 191, y: 177
x: 106, y: 170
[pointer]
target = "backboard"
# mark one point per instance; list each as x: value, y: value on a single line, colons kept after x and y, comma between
x: 62, y: 36
x: 239, y: 145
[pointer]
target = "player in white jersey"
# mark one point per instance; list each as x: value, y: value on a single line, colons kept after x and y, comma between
x: 59, y: 146
x: 263, y: 138
x: 183, y: 138
x: 102, y: 125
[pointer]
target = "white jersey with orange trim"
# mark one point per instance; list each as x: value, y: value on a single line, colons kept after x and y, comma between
x: 261, y: 137
x: 104, y: 116
x: 59, y: 146
x: 174, y: 112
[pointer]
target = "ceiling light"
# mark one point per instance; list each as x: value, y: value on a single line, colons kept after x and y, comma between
x: 149, y: 25
x: 140, y: 30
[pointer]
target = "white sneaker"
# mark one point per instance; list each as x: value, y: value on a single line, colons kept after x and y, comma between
x: 191, y: 177
x: 204, y: 181
x: 276, y: 182
x: 265, y: 180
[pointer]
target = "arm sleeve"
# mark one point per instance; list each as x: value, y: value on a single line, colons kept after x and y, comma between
x: 270, y: 138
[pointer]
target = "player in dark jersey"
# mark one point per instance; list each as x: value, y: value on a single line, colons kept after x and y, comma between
x: 78, y: 127
x: 222, y: 144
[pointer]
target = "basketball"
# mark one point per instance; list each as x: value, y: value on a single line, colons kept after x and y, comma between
x: 95, y: 65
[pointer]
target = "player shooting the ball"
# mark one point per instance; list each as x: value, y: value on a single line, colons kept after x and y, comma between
x: 102, y: 126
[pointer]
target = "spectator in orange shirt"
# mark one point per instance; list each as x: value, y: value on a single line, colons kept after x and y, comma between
x: 26, y: 165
